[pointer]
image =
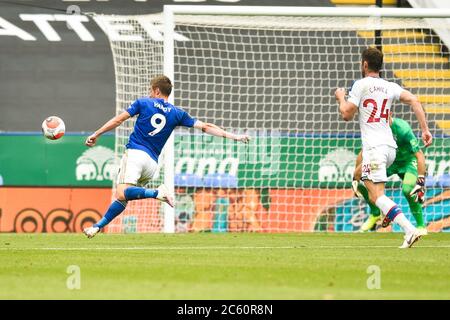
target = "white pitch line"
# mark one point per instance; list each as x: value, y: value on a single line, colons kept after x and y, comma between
x: 207, y: 248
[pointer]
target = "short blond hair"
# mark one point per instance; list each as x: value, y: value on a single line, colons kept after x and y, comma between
x: 163, y: 83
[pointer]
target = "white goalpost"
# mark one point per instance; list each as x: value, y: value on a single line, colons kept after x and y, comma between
x: 271, y: 72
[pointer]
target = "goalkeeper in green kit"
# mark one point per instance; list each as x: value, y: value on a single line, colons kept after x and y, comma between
x: 409, y: 165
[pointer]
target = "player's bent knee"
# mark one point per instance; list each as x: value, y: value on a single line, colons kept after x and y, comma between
x: 373, y: 199
x: 375, y: 196
x: 120, y: 192
x: 120, y: 195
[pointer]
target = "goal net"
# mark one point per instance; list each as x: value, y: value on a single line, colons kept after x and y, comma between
x: 273, y: 77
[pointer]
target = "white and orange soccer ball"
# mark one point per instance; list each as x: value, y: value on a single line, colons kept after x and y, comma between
x: 53, y: 128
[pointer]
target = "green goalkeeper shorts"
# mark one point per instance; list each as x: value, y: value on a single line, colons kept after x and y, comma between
x: 403, y: 167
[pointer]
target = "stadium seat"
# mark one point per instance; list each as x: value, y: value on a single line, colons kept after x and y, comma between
x: 188, y: 180
x: 444, y: 181
x: 430, y: 182
x: 218, y: 180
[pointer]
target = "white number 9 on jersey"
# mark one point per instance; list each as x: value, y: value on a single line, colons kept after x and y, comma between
x: 158, y: 121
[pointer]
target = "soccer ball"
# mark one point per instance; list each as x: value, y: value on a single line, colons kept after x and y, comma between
x: 53, y: 128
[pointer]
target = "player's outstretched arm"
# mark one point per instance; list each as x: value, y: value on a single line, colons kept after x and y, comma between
x: 421, y: 166
x: 111, y: 124
x: 214, y: 130
x: 408, y: 98
x: 346, y: 108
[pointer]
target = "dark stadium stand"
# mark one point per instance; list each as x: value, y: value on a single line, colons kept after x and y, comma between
x: 70, y: 78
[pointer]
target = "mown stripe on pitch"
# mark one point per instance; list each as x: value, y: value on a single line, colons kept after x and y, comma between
x: 210, y: 248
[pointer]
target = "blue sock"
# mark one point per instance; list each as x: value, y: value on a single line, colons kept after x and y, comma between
x: 114, y: 210
x: 134, y: 193
x: 395, y: 211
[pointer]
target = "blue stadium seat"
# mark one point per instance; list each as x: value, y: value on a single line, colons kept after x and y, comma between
x: 218, y: 180
x: 188, y: 180
x: 444, y: 181
x: 430, y: 182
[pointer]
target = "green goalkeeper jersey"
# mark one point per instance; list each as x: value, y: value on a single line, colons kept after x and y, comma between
x: 407, y: 142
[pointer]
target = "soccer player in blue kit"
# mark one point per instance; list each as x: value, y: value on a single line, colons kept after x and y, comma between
x: 156, y: 120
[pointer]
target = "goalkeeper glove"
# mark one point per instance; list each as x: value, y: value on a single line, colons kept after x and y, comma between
x: 355, y: 184
x: 418, y: 192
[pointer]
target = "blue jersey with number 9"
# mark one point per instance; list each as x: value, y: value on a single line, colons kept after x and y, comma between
x: 155, y: 122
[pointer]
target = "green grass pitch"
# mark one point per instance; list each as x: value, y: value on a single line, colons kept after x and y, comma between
x: 223, y: 266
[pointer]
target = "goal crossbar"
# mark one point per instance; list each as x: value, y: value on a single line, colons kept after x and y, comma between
x: 310, y: 11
